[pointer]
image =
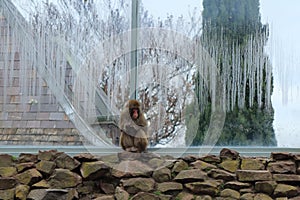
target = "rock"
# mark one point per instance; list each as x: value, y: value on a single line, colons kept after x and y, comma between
x: 199, y: 164
x: 47, y: 194
x: 111, y: 159
x: 281, y: 156
x: 189, y: 158
x: 64, y: 178
x: 7, y: 183
x: 42, y: 184
x: 72, y: 194
x: 296, y: 157
x: 145, y: 196
x: 146, y: 156
x: 105, y: 197
x: 247, y: 196
x: 185, y: 196
x: 162, y: 175
x: 29, y: 177
x: 6, y: 160
x: 210, y: 187
x: 27, y: 157
x: 247, y: 190
x: 85, y: 157
x: 49, y: 155
x: 179, y: 166
x: 235, y: 185
x: 253, y: 164
x: 221, y: 174
x: 93, y: 170
x: 45, y: 166
x: 191, y: 175
x: 125, y: 156
x: 229, y: 154
x: 203, y: 197
x: 262, y: 196
x: 230, y: 193
x: 282, y: 167
x: 131, y: 169
x: 135, y: 185
x: 295, y: 198
x: 7, y: 171
x: 121, y: 194
x: 87, y: 187
x: 165, y: 196
x: 230, y: 165
x: 38, y: 194
x: 211, y: 159
x: 7, y: 194
x: 22, y: 192
x: 107, y: 188
x: 283, y: 190
x: 24, y: 166
x: 265, y: 187
x: 253, y: 175
x: 65, y: 161
x: 156, y: 163
x: 286, y: 177
x: 169, y: 186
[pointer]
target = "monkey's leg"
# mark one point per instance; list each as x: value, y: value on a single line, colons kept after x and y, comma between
x: 141, y: 140
x: 127, y: 143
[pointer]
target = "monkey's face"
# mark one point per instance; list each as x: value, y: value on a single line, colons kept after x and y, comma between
x: 134, y: 113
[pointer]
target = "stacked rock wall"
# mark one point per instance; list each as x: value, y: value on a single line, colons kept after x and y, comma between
x: 56, y: 175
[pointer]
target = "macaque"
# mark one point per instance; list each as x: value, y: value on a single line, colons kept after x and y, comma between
x: 133, y: 126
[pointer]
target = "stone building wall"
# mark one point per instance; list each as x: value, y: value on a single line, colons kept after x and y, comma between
x: 28, y: 119
x: 122, y: 176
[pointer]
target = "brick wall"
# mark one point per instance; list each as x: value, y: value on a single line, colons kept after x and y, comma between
x: 30, y: 114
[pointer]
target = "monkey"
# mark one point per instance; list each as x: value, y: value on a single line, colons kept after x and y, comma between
x: 133, y: 126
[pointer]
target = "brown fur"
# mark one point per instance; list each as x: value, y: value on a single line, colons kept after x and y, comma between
x: 133, y: 132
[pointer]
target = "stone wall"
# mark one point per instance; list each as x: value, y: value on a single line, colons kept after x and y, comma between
x: 56, y: 175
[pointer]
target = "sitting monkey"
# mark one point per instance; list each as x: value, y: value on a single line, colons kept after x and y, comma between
x: 133, y: 126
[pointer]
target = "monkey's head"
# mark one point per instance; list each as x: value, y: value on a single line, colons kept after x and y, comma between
x: 134, y: 109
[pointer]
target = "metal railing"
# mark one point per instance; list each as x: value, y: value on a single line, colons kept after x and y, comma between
x: 175, y: 152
